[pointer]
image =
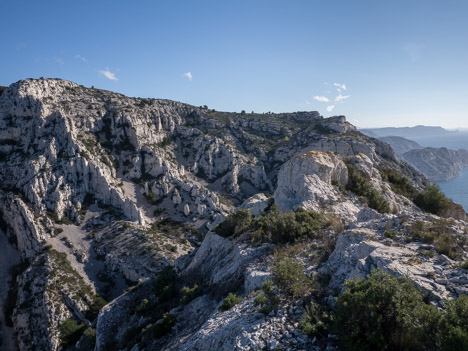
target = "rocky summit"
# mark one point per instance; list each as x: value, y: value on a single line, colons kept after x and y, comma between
x: 146, y: 224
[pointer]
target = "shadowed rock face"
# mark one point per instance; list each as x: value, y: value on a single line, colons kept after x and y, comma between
x: 100, y: 191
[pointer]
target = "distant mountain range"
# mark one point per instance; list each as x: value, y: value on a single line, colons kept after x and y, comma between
x: 406, y: 132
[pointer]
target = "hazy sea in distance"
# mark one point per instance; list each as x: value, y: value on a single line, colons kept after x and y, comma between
x: 455, y: 188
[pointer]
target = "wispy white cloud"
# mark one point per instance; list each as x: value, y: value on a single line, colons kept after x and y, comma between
x: 188, y: 75
x: 59, y: 61
x: 307, y: 102
x: 340, y: 86
x: 81, y: 58
x: 330, y: 108
x: 340, y: 98
x: 108, y: 74
x: 321, y: 98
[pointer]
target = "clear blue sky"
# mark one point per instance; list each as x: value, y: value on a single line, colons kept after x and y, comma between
x: 403, y: 63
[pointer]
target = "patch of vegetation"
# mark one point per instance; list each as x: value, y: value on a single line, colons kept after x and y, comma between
x: 438, y: 234
x: 56, y: 219
x: 432, y: 200
x: 164, y: 326
x: 391, y: 234
x: 273, y: 226
x: 288, y: 274
x: 399, y: 183
x: 230, y: 301
x: 88, y: 340
x: 454, y: 325
x: 152, y: 198
x: 384, y: 312
x: 267, y: 299
x: 316, y: 321
x: 70, y: 331
x: 360, y: 185
x: 165, y: 142
x: 235, y: 224
x: 189, y: 294
x: 96, y: 304
x: 165, y: 285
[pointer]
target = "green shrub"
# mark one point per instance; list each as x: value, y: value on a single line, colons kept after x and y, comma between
x: 70, y: 331
x: 360, y: 185
x: 152, y: 198
x: 289, y: 275
x: 390, y: 234
x: 189, y: 294
x: 454, y: 325
x: 165, y: 285
x: 164, y: 326
x: 385, y: 313
x: 432, y: 200
x: 234, y: 224
x: 274, y: 226
x: 230, y: 301
x: 94, y: 308
x: 142, y: 308
x: 399, y: 184
x: 315, y: 321
x: 447, y: 245
x: 267, y: 298
x: 287, y: 227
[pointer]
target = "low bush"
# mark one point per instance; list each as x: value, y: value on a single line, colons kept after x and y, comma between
x: 360, y: 185
x: 432, y: 200
x: 164, y: 326
x: 391, y: 234
x: 384, y: 312
x: 274, y: 226
x: 288, y: 274
x: 267, y: 298
x: 94, y: 308
x: 234, y: 224
x: 454, y: 325
x: 189, y: 294
x: 165, y: 285
x: 70, y: 331
x: 399, y: 183
x: 152, y: 198
x: 230, y: 301
x: 316, y: 320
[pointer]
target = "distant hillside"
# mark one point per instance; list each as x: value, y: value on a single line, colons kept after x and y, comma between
x: 406, y: 132
x: 436, y: 163
x: 401, y: 145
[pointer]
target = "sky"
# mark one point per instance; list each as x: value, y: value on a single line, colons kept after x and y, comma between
x: 379, y: 63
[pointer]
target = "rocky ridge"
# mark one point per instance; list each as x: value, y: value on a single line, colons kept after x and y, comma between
x: 100, y: 193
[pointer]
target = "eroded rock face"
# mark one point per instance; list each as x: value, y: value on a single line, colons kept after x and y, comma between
x: 360, y: 251
x: 307, y: 181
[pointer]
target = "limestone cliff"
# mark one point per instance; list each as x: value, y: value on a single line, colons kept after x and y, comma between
x: 101, y: 193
